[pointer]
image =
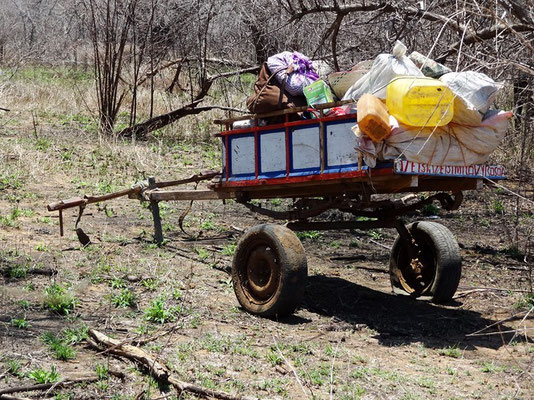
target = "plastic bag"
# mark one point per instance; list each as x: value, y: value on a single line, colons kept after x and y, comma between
x: 428, y: 66
x: 467, y: 140
x: 385, y: 67
x: 301, y: 72
x: 477, y: 89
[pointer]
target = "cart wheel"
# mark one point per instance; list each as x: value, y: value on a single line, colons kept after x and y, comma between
x: 269, y: 271
x: 432, y: 267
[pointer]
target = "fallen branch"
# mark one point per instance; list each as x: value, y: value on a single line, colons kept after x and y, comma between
x: 156, y: 368
x: 45, y: 386
x: 480, y: 290
x: 8, y: 397
x: 5, y: 109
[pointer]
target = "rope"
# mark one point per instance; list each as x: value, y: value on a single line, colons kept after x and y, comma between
x: 508, y: 190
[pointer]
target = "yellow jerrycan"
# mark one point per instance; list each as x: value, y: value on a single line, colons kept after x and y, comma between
x: 419, y: 101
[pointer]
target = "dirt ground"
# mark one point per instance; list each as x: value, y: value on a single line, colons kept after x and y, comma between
x: 351, y: 338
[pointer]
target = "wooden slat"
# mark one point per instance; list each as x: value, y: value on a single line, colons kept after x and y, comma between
x: 282, y: 112
x: 164, y: 195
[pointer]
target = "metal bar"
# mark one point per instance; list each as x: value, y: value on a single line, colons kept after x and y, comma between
x: 322, y: 141
x: 154, y: 207
x: 60, y: 222
x: 323, y: 226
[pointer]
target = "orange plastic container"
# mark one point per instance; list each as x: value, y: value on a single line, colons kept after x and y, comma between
x: 418, y: 101
x: 373, y: 117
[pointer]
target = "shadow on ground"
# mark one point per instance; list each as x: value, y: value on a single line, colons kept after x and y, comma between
x: 398, y: 319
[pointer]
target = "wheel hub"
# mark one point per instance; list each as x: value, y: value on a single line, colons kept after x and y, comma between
x: 262, y: 272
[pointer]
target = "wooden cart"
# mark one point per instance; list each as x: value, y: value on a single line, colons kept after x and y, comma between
x: 314, y: 162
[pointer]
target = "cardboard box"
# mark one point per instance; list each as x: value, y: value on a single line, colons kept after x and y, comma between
x: 318, y: 93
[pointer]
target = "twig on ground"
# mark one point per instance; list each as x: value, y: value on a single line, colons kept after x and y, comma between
x: 523, y: 320
x: 46, y: 386
x: 290, y: 367
x: 332, y: 372
x: 380, y: 244
x: 512, y: 318
x: 8, y: 397
x: 479, y: 290
x: 156, y: 367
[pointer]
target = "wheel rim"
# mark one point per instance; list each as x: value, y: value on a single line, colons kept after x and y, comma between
x: 261, y: 273
x: 416, y: 268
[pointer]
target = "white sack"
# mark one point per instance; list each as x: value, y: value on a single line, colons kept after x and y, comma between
x: 385, y: 68
x: 466, y: 140
x: 477, y: 89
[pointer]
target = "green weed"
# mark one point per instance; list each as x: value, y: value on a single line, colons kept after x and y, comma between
x: 13, y: 367
x: 229, y: 249
x: 158, y: 311
x: 451, y: 351
x: 117, y: 283
x: 274, y: 356
x: 75, y: 335
x: 59, y: 299
x: 309, y: 235
x: 497, y: 207
x: 41, y: 375
x: 17, y: 271
x: 150, y: 284
x: 527, y: 301
x: 202, y: 253
x: 20, y: 323
x: 62, y: 350
x: 102, y: 371
x: 430, y: 209
x: 124, y: 299
x: 10, y: 181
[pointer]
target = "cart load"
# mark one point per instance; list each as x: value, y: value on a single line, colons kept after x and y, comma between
x: 328, y: 156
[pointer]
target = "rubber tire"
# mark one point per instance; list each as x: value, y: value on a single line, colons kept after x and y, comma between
x: 447, y: 260
x: 292, y: 276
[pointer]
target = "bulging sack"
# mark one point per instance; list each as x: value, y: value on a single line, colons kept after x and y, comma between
x: 467, y: 140
x: 477, y: 89
x: 385, y: 68
x: 293, y: 70
x: 269, y: 95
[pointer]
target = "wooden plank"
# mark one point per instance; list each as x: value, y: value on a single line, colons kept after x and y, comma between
x: 166, y: 195
x: 282, y: 112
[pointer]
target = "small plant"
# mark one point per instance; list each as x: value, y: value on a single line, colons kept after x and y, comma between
x: 102, y: 371
x: 335, y: 244
x: 526, y: 302
x: 75, y: 335
x: 20, y: 323
x: 451, y: 351
x: 150, y: 284
x: 207, y: 225
x: 13, y: 366
x: 117, y: 283
x: 430, y: 209
x: 124, y: 299
x: 62, y: 351
x: 41, y: 375
x: 497, y: 207
x: 229, y: 249
x: 202, y: 253
x: 42, y: 247
x: 274, y: 357
x: 59, y: 299
x: 17, y: 272
x: 177, y: 294
x: 311, y: 235
x: 376, y: 235
x: 159, y: 312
